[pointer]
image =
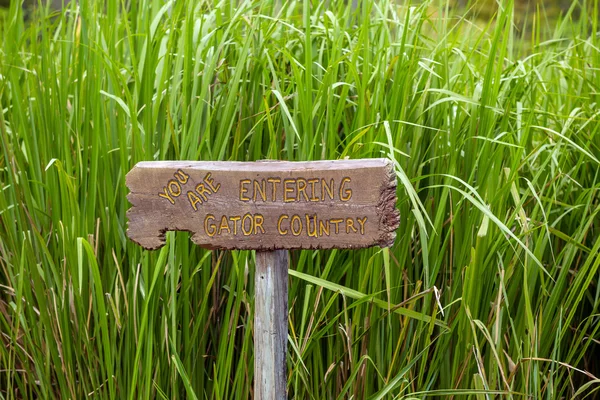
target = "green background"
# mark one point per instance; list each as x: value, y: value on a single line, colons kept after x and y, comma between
x: 491, y: 288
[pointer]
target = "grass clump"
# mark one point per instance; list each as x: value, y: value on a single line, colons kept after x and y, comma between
x: 491, y: 288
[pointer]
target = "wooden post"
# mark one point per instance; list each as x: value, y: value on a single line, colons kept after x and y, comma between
x: 270, y: 325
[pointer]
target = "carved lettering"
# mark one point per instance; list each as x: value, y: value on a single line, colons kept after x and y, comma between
x: 174, y: 188
x: 181, y: 176
x: 350, y: 225
x: 323, y: 228
x: 336, y: 222
x: 362, y: 224
x: 312, y: 183
x: 166, y: 195
x: 260, y: 187
x: 274, y: 182
x: 313, y: 232
x: 244, y: 189
x: 224, y: 225
x: 209, y: 227
x: 247, y: 218
x: 345, y: 194
x: 287, y: 188
x: 325, y: 188
x: 301, y: 188
x: 234, y: 220
x: 279, y: 222
x: 249, y: 224
x: 258, y: 223
x: 296, y: 225
x: 202, y: 191
x: 266, y: 190
x: 211, y: 183
x: 295, y: 190
x: 314, y: 226
x: 194, y: 200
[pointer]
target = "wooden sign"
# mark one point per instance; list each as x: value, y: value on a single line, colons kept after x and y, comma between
x: 264, y: 205
x: 268, y: 206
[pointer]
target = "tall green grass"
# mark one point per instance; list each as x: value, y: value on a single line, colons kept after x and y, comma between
x: 491, y: 289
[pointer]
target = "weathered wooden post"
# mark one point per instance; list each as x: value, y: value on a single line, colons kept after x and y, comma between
x: 271, y: 207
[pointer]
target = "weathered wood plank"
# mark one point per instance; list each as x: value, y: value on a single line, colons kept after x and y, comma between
x: 265, y: 205
x: 270, y: 325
